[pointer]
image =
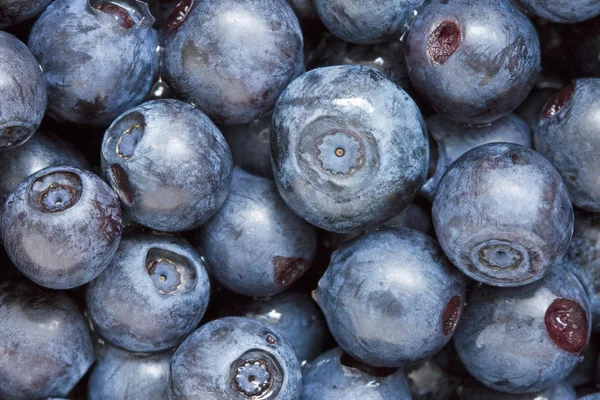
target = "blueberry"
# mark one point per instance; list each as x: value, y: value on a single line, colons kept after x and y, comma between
x: 169, y: 164
x: 349, y: 148
x: 593, y: 396
x: 567, y: 134
x: 152, y: 295
x: 369, y: 22
x: 235, y: 358
x: 564, y: 12
x: 453, y: 140
x: 45, y: 341
x: 251, y: 146
x: 560, y: 391
x: 99, y: 58
x: 62, y: 226
x: 502, y: 214
x: 121, y: 375
x: 336, y: 376
x: 475, y: 61
x: 232, y: 59
x: 293, y: 314
x: 13, y: 12
x: 582, y: 43
x: 255, y: 245
x: 529, y: 110
x: 372, y: 297
x: 525, y: 339
x: 22, y: 94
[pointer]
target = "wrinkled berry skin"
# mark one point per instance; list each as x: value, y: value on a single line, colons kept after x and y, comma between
x: 235, y: 358
x: 13, y: 12
x: 121, y: 375
x: 22, y: 92
x: 525, y: 339
x: 502, y: 215
x: 567, y: 135
x: 45, y: 341
x: 582, y: 44
x: 61, y: 227
x: 474, y: 391
x: 336, y: 376
x: 293, y: 314
x: 373, y: 308
x: 255, y: 245
x: 563, y: 12
x: 349, y: 148
x: 152, y: 295
x: 250, y: 145
x: 169, y: 164
x: 454, y: 139
x: 95, y: 68
x: 233, y: 59
x: 475, y: 61
x: 370, y: 22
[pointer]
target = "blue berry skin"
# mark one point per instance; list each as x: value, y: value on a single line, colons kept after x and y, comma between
x: 13, y: 12
x: 99, y: 58
x: 121, y: 375
x: 367, y: 22
x: 235, y: 358
x: 373, y: 307
x: 502, y: 215
x: 593, y: 396
x: 61, y: 227
x: 232, y: 59
x: 23, y: 92
x: 250, y: 145
x: 563, y: 12
x: 45, y: 341
x: 336, y: 376
x: 293, y: 314
x: 567, y: 135
x: 525, y: 339
x: 153, y: 294
x: 560, y: 391
x: 475, y: 61
x: 169, y: 164
x: 454, y: 139
x: 255, y: 245
x: 349, y: 148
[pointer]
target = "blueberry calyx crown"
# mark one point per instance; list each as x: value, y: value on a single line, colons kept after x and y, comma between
x: 171, y: 273
x: 256, y: 374
x: 340, y: 153
x: 56, y: 191
x: 129, y: 140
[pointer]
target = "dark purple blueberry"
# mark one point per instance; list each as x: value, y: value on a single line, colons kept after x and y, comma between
x: 152, y: 295
x: 475, y: 61
x: 502, y: 215
x: 564, y: 12
x: 232, y: 59
x: 45, y: 342
x: 525, y: 339
x: 62, y: 226
x: 235, y: 358
x: 13, y: 12
x: 349, y: 148
x: 99, y: 58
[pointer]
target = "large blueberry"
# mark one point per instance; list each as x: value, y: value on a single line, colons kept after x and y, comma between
x: 232, y: 58
x: 169, y: 164
x: 475, y: 61
x: 561, y: 11
x: 62, y: 226
x: 121, y: 375
x: 476, y: 391
x: 152, y: 295
x: 453, y: 140
x: 335, y: 375
x: 22, y: 92
x: 582, y: 44
x: 13, y: 12
x: 45, y: 342
x: 99, y: 57
x: 525, y: 339
x: 293, y: 314
x: 235, y: 358
x: 367, y: 22
x: 502, y: 214
x: 567, y: 134
x: 349, y: 148
x: 255, y: 245
x: 372, y: 297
